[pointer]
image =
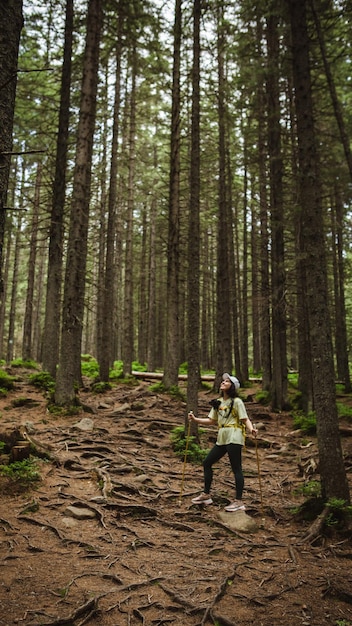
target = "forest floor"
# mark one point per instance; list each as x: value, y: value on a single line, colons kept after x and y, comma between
x: 109, y: 535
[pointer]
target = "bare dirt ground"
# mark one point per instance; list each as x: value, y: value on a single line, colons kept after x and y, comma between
x: 104, y: 539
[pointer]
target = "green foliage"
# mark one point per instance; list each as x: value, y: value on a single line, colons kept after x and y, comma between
x: 157, y: 387
x: 21, y: 472
x: 2, y: 445
x: 138, y: 367
x: 344, y: 411
x: 64, y: 411
x: 312, y: 489
x: 183, y: 369
x: 292, y: 378
x: 29, y: 364
x: 6, y: 381
x: 195, y: 454
x: 101, y: 387
x: 116, y: 372
x: 263, y: 397
x: 89, y: 366
x: 43, y: 380
x: 339, y: 506
x: 174, y: 390
x: 306, y: 423
x: 339, y: 511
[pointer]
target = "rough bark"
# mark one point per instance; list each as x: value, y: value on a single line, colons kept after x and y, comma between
x: 106, y: 353
x: 173, y: 253
x: 279, y: 371
x: 341, y: 340
x: 128, y: 312
x: 193, y: 354
x: 51, y: 335
x: 332, y: 471
x: 69, y: 371
x: 28, y: 314
x: 223, y: 314
x: 11, y: 22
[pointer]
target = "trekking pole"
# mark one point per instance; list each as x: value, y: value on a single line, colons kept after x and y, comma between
x: 184, y: 462
x: 259, y: 475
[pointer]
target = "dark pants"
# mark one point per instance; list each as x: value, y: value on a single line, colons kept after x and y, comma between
x: 234, y: 451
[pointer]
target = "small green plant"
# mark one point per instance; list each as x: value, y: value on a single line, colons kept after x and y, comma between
x: 64, y: 411
x: 2, y: 446
x: 174, y: 390
x: 101, y: 387
x: 312, y: 489
x: 6, y: 382
x: 139, y: 367
x: 116, y: 372
x: 339, y: 511
x: 43, y: 380
x: 89, y: 366
x: 263, y: 397
x: 293, y: 379
x: 21, y: 472
x: 27, y: 364
x: 306, y: 423
x: 343, y: 622
x: 183, y: 369
x: 344, y: 411
x: 195, y: 454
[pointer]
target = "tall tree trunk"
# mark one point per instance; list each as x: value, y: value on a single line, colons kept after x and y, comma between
x: 264, y: 307
x: 243, y: 276
x: 234, y: 277
x: 143, y: 296
x: 28, y: 314
x: 51, y: 335
x: 38, y: 305
x: 193, y: 326
x: 128, y: 311
x: 255, y: 274
x: 106, y: 354
x: 10, y: 234
x: 223, y: 305
x: 340, y: 303
x: 279, y: 356
x: 13, y: 297
x: 332, y: 471
x: 170, y: 377
x: 103, y: 234
x: 151, y: 314
x: 11, y: 22
x: 69, y: 372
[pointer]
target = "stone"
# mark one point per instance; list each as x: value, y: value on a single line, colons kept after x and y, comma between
x: 80, y: 513
x: 85, y: 424
x: 239, y: 520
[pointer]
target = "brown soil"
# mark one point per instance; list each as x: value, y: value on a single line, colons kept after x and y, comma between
x: 145, y: 557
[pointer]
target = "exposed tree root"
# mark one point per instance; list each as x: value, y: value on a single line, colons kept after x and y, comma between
x: 315, y: 529
x: 89, y: 607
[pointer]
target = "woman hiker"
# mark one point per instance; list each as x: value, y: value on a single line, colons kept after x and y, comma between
x: 230, y: 415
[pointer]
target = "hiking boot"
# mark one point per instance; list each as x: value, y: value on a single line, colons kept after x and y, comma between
x: 237, y: 505
x: 204, y: 498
